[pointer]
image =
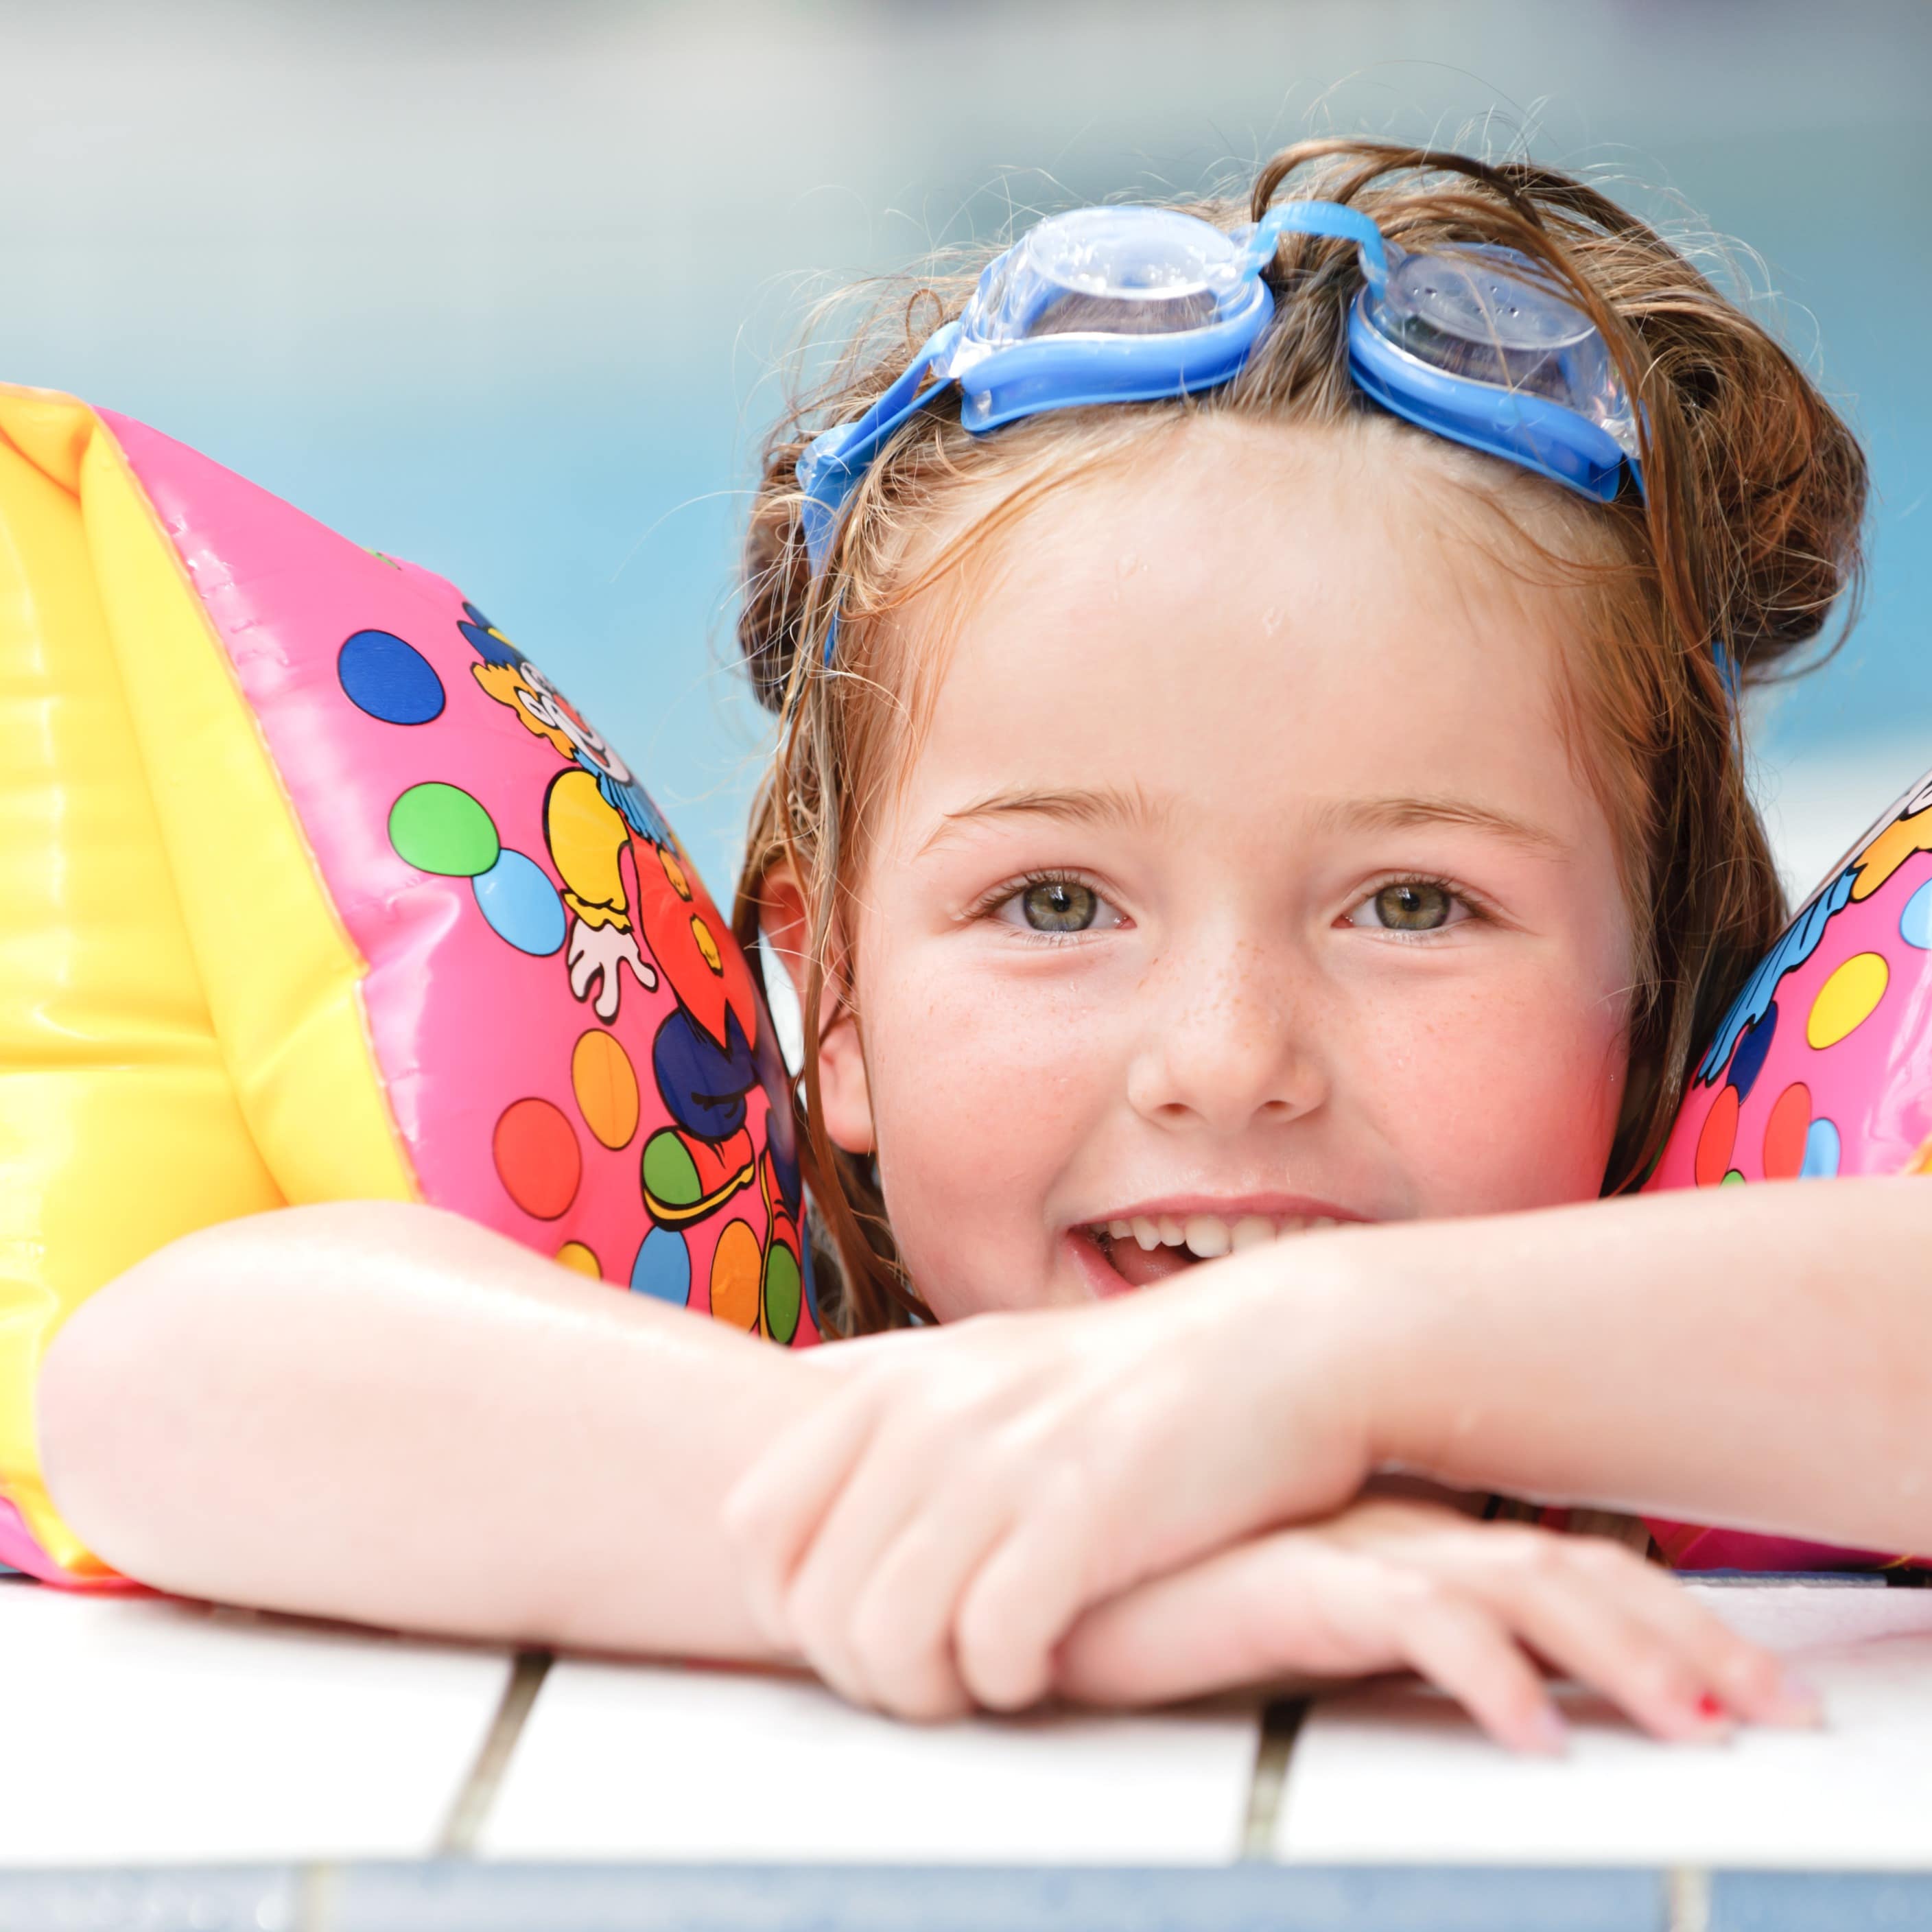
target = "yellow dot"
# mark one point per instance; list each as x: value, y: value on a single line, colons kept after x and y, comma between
x: 707, y: 944
x: 1847, y: 999
x: 575, y: 1255
x: 606, y: 1086
x: 674, y: 872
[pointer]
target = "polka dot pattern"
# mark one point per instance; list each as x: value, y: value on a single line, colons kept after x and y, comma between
x: 1747, y: 1062
x: 662, y: 1269
x: 389, y: 679
x: 521, y: 905
x: 605, y: 1083
x: 1915, y: 922
x: 1846, y: 1000
x: 575, y: 1256
x: 441, y: 829
x: 784, y: 1293
x: 537, y: 1159
x: 1718, y: 1138
x: 1822, y: 1152
x: 734, y: 1276
x: 1785, y: 1133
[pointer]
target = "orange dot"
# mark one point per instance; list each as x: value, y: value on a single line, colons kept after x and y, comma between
x: 734, y: 1276
x: 1716, y: 1139
x: 538, y: 1160
x: 574, y: 1255
x: 606, y: 1086
x: 1784, y: 1133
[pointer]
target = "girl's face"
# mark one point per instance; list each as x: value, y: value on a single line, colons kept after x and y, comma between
x: 1242, y: 880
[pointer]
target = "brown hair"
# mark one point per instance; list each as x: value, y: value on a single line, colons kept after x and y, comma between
x: 1746, y: 537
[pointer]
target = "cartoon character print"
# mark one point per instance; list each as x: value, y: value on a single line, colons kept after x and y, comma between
x: 629, y: 904
x: 634, y: 905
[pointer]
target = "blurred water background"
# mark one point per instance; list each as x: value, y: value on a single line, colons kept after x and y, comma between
x: 501, y: 286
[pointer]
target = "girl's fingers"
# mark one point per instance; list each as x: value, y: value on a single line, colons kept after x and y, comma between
x: 903, y: 1622
x: 776, y: 1509
x: 1579, y: 1615
x: 1463, y: 1649
x: 1748, y: 1680
x: 1025, y: 1597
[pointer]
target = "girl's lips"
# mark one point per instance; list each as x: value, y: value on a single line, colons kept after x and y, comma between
x: 1142, y: 1248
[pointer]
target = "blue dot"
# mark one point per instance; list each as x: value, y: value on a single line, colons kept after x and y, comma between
x: 1748, y: 1061
x: 1821, y: 1152
x: 663, y: 1268
x: 521, y: 904
x: 1915, y: 922
x: 389, y: 679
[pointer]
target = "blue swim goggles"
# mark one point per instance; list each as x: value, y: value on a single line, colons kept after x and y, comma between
x: 1134, y: 304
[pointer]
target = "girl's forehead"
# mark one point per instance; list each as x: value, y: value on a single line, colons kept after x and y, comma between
x: 1250, y: 613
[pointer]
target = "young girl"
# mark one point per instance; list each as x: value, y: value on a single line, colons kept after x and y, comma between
x: 1293, y: 825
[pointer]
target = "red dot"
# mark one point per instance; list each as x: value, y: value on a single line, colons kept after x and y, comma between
x: 537, y: 1158
x: 1784, y: 1133
x: 1716, y: 1139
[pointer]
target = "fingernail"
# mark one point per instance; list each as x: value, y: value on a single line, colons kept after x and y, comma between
x: 1548, y: 1732
x: 1708, y: 1708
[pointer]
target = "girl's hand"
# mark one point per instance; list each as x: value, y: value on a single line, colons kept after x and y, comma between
x: 929, y: 1533
x: 1390, y: 1585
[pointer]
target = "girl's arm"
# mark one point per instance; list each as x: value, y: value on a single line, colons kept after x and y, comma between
x: 387, y: 1414
x: 1758, y: 1357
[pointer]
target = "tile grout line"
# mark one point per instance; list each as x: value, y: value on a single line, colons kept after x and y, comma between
x: 1280, y: 1724
x: 1688, y: 1891
x: 457, y: 1838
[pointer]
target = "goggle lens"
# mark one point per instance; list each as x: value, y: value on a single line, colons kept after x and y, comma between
x: 1485, y: 315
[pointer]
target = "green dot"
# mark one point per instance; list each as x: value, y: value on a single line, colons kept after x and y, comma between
x: 440, y: 828
x: 782, y: 1284
x: 1733, y: 1179
x: 670, y: 1175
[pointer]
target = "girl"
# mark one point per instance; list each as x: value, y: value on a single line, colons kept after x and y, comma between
x: 1242, y: 827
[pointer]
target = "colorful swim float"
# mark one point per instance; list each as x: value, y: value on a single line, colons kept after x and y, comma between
x: 1823, y: 1066
x: 316, y: 888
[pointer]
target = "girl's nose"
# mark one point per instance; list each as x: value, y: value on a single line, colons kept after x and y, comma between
x: 1227, y: 1044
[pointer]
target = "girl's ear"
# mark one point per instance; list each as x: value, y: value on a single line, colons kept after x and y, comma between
x: 843, y: 1092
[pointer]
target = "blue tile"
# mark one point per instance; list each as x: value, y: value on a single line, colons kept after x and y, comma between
x: 465, y: 1897
x: 1820, y: 1901
x: 236, y: 1898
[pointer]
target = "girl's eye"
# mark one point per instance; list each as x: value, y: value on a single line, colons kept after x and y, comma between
x: 1055, y: 906
x: 1409, y: 905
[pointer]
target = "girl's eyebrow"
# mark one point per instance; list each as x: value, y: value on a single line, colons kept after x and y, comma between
x: 1103, y: 804
x: 1405, y: 815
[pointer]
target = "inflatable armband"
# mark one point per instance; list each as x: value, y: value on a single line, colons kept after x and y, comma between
x: 1822, y: 1066
x: 316, y: 888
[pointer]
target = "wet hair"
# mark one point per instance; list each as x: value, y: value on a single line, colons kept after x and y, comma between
x: 1721, y: 576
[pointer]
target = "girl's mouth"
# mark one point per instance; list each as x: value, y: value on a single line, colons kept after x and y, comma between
x: 1150, y: 1248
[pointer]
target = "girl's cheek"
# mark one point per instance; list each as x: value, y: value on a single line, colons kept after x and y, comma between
x: 1506, y: 1102
x: 982, y: 1092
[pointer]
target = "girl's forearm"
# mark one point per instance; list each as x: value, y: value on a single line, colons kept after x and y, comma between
x: 388, y: 1414
x: 1759, y: 1357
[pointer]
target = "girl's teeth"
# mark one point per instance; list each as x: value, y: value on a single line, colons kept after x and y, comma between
x: 1251, y: 1231
x: 1145, y: 1232
x: 1119, y: 1230
x: 1206, y: 1236
x: 1172, y: 1234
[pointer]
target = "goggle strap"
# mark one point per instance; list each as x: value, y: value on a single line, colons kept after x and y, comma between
x: 1321, y: 218
x: 830, y: 468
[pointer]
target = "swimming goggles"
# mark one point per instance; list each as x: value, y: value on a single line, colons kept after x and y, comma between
x: 1121, y: 304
